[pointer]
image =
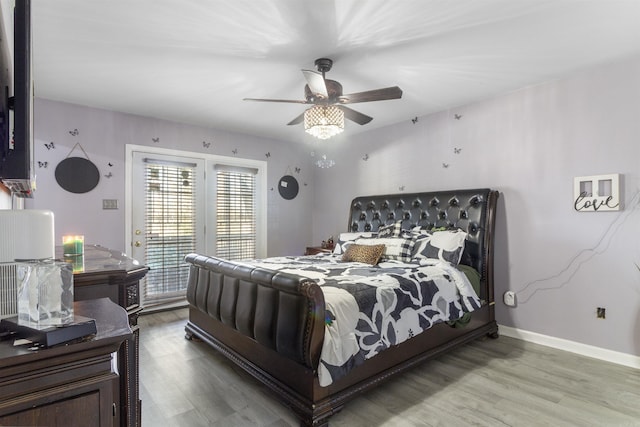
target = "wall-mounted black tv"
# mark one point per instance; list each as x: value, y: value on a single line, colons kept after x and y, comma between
x: 16, y: 163
x: 6, y: 86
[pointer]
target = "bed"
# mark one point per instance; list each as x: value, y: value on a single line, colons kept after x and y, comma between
x: 275, y: 318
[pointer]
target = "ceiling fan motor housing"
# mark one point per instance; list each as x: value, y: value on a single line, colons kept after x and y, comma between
x: 324, y: 64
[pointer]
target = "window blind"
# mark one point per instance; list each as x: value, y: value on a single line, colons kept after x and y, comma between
x: 170, y: 221
x: 235, y: 213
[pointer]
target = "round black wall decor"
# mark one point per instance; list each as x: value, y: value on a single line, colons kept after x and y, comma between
x: 77, y: 175
x: 288, y: 187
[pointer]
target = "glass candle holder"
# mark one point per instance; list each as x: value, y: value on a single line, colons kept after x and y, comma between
x: 76, y: 261
x: 72, y: 245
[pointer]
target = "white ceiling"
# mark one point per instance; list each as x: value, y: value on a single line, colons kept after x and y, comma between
x: 193, y: 61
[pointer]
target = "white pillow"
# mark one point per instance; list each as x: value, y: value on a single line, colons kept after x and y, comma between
x: 345, y: 239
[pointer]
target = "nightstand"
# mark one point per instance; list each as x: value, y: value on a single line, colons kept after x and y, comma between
x: 313, y: 250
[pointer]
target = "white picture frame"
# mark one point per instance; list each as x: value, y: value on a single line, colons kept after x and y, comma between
x: 597, y: 193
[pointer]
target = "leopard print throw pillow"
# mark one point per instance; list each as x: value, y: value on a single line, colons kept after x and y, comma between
x: 368, y: 254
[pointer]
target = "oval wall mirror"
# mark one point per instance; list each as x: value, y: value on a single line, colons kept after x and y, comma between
x: 77, y: 175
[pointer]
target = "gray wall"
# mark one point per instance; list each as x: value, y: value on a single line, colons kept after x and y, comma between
x: 103, y: 136
x: 529, y: 145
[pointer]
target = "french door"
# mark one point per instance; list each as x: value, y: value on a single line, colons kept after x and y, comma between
x: 179, y: 203
x: 167, y: 221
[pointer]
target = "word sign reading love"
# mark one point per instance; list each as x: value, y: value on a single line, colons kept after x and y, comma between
x: 598, y: 193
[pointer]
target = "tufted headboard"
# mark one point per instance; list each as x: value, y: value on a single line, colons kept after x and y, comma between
x: 471, y: 210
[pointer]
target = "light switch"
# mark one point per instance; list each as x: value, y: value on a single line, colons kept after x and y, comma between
x: 109, y: 203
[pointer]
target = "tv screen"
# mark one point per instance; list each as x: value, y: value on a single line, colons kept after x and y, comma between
x: 16, y: 166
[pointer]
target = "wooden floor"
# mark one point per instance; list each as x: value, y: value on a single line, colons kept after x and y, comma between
x: 503, y: 382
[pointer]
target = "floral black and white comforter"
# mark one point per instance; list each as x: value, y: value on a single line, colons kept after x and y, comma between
x: 370, y: 308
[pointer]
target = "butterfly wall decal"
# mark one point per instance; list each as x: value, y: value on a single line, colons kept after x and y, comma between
x: 43, y: 164
x: 109, y: 175
x: 110, y: 164
x: 401, y: 188
x: 50, y: 145
x: 234, y: 151
x: 366, y: 157
x: 297, y: 170
x: 414, y: 120
x: 206, y: 144
x: 267, y: 155
x: 457, y: 116
x: 445, y: 165
x: 74, y: 132
x: 457, y: 150
x: 155, y: 139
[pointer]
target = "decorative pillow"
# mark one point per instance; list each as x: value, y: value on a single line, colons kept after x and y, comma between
x: 368, y: 254
x: 390, y: 230
x: 446, y: 245
x: 396, y: 248
x: 421, y: 229
x: 346, y: 239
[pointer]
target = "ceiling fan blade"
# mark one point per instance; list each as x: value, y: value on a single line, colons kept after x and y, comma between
x: 297, y: 120
x: 292, y: 101
x: 383, y: 94
x: 355, y: 116
x: 316, y: 83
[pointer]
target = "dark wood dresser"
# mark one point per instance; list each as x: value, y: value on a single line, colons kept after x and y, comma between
x: 103, y: 272
x: 66, y: 385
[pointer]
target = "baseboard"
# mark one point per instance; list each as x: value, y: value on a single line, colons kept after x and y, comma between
x: 572, y: 346
x: 150, y: 309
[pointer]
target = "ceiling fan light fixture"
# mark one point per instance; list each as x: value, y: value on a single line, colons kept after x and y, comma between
x: 324, y: 121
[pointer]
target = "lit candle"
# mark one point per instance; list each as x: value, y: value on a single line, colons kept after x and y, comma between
x: 73, y: 245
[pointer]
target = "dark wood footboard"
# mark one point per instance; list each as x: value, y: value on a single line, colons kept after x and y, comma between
x: 281, y: 312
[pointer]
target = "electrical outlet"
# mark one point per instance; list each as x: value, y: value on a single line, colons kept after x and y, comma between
x: 600, y: 312
x: 509, y: 298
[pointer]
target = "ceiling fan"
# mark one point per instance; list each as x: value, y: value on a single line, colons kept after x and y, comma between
x: 324, y: 92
